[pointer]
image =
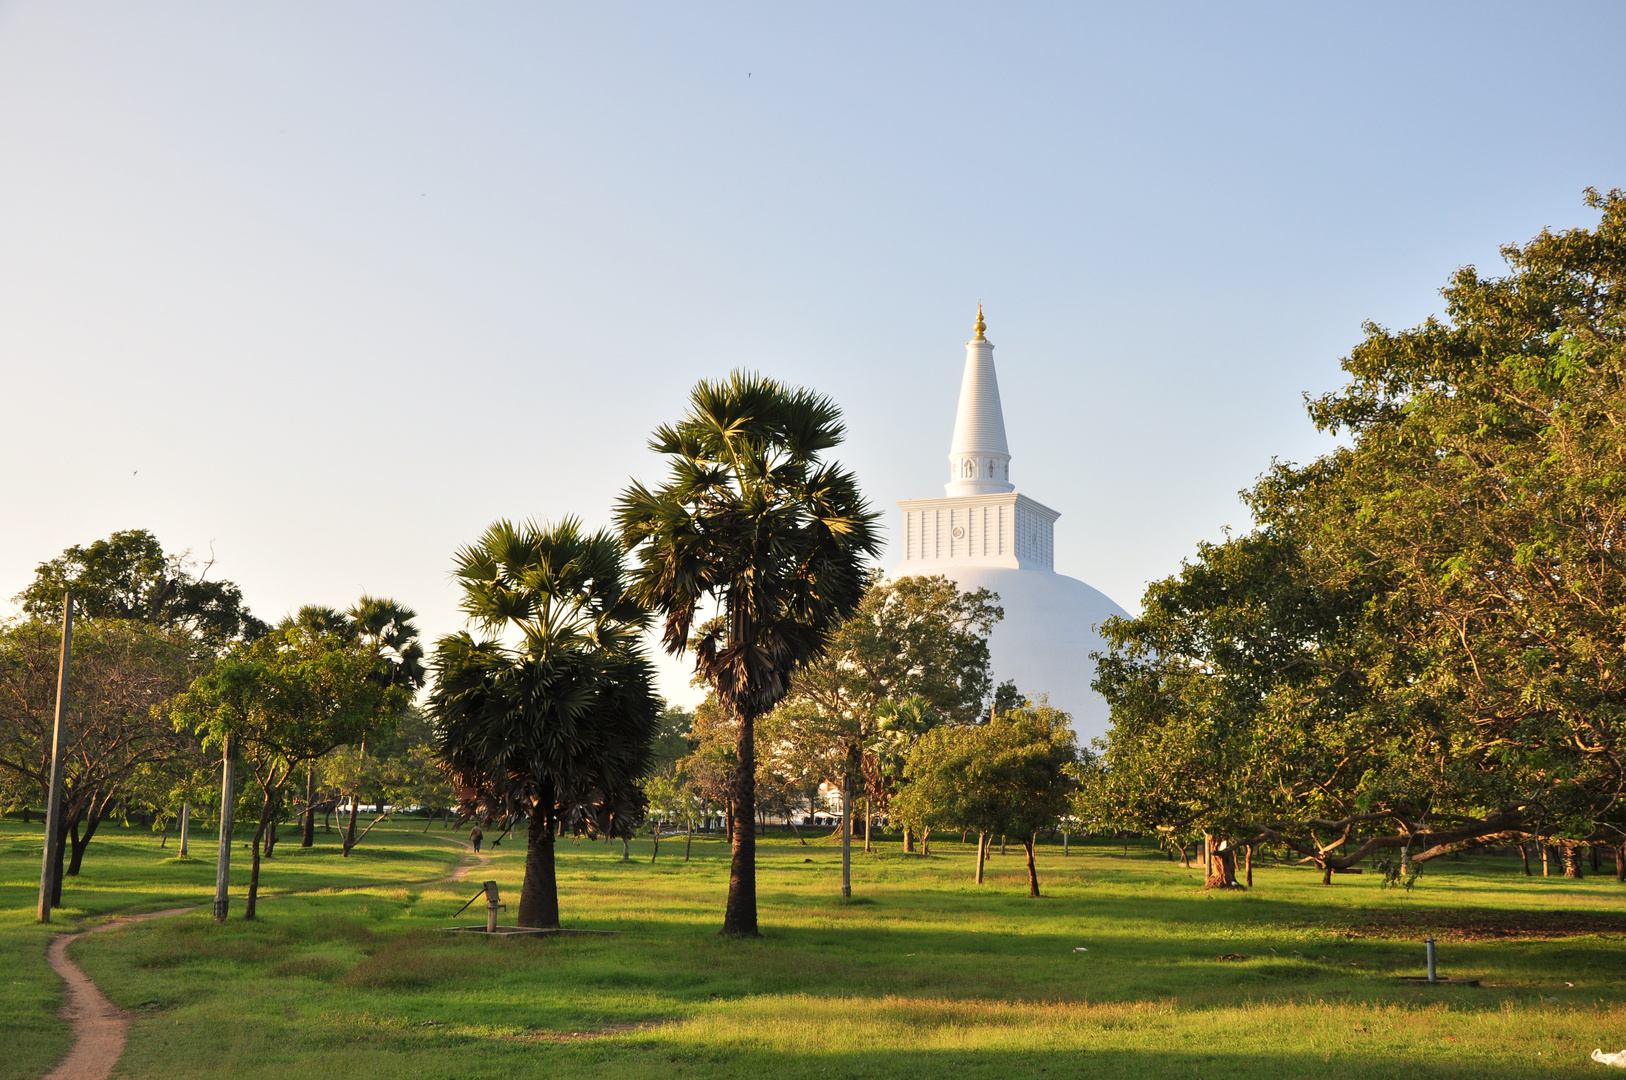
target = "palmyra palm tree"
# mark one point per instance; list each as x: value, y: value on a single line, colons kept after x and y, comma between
x: 552, y: 711
x: 752, y: 520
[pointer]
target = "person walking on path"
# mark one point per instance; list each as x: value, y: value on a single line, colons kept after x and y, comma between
x: 476, y: 836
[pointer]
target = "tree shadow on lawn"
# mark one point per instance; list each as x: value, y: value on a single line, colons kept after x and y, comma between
x: 1197, y: 1055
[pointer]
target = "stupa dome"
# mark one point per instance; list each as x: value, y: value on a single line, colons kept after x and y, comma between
x: 986, y: 534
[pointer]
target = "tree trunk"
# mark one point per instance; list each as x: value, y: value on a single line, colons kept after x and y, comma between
x: 309, y: 837
x: 1620, y: 862
x: 1593, y: 850
x: 1326, y: 873
x: 271, y: 836
x: 657, y: 852
x: 1002, y: 843
x: 59, y: 862
x: 1524, y: 853
x: 982, y: 853
x: 1221, y: 868
x: 1572, y: 860
x: 926, y: 842
x: 1247, y: 859
x: 869, y: 817
x: 908, y: 841
x: 740, y: 916
x: 688, y: 842
x: 350, y: 832
x: 1064, y: 851
x: 539, y: 896
x: 626, y: 848
x: 1033, y: 873
x: 1546, y: 867
x: 80, y: 844
x: 254, y: 864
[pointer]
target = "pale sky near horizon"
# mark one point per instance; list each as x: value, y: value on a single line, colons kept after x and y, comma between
x: 326, y: 288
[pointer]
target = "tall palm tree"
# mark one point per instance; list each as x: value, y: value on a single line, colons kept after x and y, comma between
x: 553, y: 708
x: 751, y: 520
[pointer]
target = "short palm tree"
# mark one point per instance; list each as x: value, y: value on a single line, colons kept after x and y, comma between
x: 751, y: 520
x: 552, y: 710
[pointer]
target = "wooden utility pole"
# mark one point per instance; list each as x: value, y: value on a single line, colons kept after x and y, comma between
x: 186, y: 821
x: 53, y: 799
x: 223, y: 858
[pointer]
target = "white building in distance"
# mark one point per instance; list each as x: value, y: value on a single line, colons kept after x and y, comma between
x: 985, y: 534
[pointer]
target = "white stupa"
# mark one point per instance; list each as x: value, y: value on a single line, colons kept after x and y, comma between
x: 986, y: 534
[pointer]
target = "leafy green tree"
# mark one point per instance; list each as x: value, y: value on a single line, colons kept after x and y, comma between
x: 750, y: 519
x: 552, y: 715
x: 283, y: 701
x: 1243, y: 694
x: 1010, y: 776
x: 1482, y: 487
x: 672, y: 741
x: 120, y: 671
x: 917, y: 638
x: 130, y: 577
x: 387, y: 630
x: 1415, y: 652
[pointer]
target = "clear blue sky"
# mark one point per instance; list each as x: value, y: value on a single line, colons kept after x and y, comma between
x: 331, y: 286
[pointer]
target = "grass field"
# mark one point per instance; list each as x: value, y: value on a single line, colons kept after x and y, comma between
x: 923, y: 974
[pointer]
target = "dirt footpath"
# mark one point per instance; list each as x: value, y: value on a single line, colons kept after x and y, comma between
x: 98, y: 1027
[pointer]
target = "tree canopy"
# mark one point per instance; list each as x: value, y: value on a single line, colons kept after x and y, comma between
x: 130, y: 576
x: 1009, y: 776
x: 1420, y: 645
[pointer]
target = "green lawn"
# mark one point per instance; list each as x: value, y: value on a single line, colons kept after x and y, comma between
x: 923, y: 975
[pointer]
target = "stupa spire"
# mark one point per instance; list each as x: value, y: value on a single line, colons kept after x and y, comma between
x: 979, y: 459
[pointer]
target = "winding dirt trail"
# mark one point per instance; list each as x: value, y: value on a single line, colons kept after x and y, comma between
x: 480, y: 859
x: 98, y: 1025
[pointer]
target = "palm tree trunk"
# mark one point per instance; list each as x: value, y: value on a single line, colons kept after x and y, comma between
x: 740, y: 916
x: 688, y: 843
x: 982, y: 853
x: 869, y: 819
x: 539, y: 896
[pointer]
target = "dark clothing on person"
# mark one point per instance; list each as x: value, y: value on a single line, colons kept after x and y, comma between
x: 476, y: 835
